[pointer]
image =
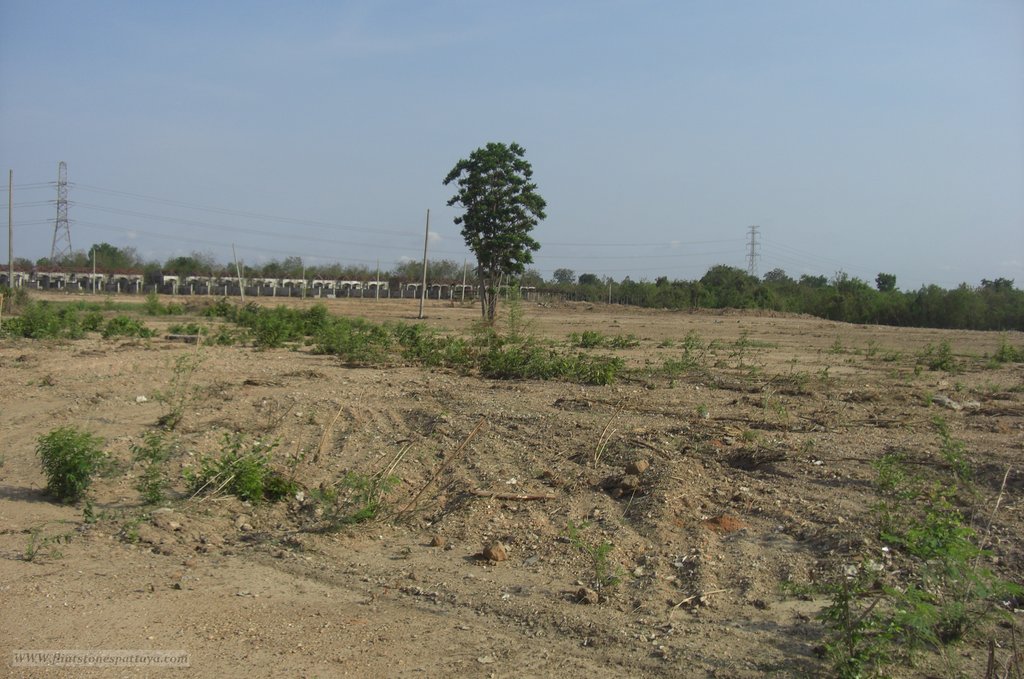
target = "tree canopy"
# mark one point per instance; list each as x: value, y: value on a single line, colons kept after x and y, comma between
x: 501, y: 207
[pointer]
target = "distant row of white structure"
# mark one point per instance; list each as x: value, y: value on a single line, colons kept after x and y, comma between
x: 171, y: 284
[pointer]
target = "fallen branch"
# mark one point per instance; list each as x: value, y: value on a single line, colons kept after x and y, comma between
x: 455, y: 456
x: 327, y: 432
x: 697, y: 596
x: 523, y: 497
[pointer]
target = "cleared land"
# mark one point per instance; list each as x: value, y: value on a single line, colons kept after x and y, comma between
x: 730, y: 472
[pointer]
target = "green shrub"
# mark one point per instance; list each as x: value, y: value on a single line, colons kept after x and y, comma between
x: 70, y: 458
x: 242, y: 469
x: 588, y: 339
x: 518, y: 361
x: 1007, y: 353
x: 942, y: 590
x: 152, y: 453
x: 939, y: 358
x: 354, y: 340
x: 41, y: 320
x: 622, y: 342
x: 605, y: 574
x: 152, y: 305
x: 124, y: 326
x: 93, y: 321
x: 591, y: 339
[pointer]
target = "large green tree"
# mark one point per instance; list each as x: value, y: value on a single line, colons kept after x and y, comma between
x: 501, y: 207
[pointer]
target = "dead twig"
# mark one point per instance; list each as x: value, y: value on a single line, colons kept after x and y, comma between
x: 602, y: 441
x: 457, y: 455
x: 696, y: 596
x: 327, y: 433
x: 522, y: 497
x: 992, y: 517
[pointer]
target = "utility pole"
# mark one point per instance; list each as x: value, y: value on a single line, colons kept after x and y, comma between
x: 376, y: 291
x: 238, y: 272
x: 752, y: 251
x: 94, y: 270
x: 465, y: 264
x: 426, y: 239
x: 10, y: 230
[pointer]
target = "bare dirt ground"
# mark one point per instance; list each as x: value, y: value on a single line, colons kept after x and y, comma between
x: 713, y: 487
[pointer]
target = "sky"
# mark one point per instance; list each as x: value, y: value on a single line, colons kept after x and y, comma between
x: 862, y: 137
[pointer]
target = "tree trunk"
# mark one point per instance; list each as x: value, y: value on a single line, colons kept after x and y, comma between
x: 488, y: 297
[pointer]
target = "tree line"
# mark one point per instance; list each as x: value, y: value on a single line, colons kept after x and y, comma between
x: 991, y: 305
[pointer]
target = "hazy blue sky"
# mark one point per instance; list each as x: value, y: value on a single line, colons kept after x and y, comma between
x: 860, y: 136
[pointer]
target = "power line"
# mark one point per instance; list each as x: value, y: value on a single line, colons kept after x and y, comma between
x: 243, y: 213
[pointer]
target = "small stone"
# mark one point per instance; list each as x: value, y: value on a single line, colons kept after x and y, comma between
x: 141, y: 399
x: 438, y: 541
x: 495, y: 552
x: 243, y: 522
x: 585, y: 595
x: 629, y: 483
x: 637, y: 467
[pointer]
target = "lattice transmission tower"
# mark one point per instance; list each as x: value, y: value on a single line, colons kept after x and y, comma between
x: 61, y: 229
x: 752, y: 251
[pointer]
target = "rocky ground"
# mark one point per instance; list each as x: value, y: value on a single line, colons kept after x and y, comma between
x: 666, y: 525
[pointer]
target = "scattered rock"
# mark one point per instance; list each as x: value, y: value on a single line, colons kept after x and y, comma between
x: 495, y: 552
x: 167, y: 520
x: 629, y: 483
x: 141, y: 399
x: 585, y: 595
x: 946, y: 402
x: 149, y: 535
x: 637, y: 467
x: 243, y: 522
x: 726, y: 523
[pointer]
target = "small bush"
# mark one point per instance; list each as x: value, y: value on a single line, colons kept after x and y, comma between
x: 606, y: 574
x: 152, y: 305
x: 152, y: 453
x: 591, y: 339
x: 92, y: 321
x: 519, y: 361
x: 1007, y: 353
x: 588, y: 339
x: 70, y: 458
x: 939, y: 358
x: 242, y: 469
x: 42, y: 320
x: 123, y: 326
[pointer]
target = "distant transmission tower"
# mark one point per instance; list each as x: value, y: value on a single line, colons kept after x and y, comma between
x: 61, y: 230
x: 752, y: 252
